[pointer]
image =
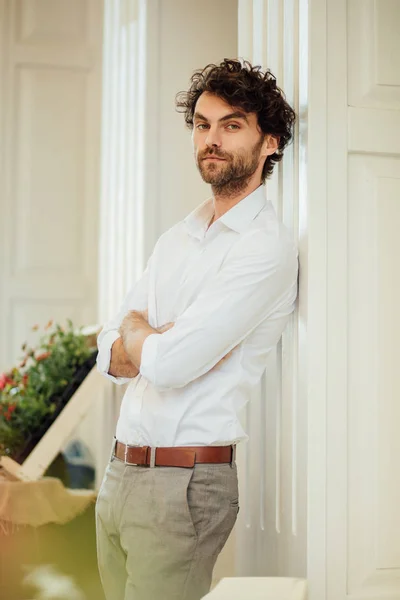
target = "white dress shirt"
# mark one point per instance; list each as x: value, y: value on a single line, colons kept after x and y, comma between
x: 230, y: 287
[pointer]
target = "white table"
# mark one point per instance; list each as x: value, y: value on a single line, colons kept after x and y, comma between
x: 259, y: 588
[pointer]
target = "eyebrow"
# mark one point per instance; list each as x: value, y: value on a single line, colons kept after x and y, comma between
x: 234, y: 115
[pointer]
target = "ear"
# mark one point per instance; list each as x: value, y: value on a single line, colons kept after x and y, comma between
x: 270, y: 145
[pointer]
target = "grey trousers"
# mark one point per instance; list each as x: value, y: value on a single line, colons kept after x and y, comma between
x: 160, y: 530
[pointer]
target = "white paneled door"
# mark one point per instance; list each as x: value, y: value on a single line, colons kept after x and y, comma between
x: 364, y: 349
x: 50, y: 79
x: 354, y: 294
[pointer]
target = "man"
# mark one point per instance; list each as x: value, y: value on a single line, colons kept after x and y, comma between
x: 192, y: 339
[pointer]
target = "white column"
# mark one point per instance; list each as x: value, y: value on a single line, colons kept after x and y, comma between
x: 121, y: 212
x: 271, y: 531
x: 121, y: 255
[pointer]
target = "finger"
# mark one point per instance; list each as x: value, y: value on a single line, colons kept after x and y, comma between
x: 226, y: 356
x: 165, y: 327
x: 134, y: 314
x: 223, y: 358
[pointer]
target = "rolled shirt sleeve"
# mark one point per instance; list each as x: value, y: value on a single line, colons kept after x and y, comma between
x: 136, y: 299
x: 257, y: 282
x: 104, y: 357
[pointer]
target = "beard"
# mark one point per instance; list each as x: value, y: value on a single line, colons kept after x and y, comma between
x: 231, y: 176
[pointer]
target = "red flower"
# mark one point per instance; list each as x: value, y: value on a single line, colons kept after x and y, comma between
x: 4, y: 380
x: 25, y: 379
x: 43, y: 356
x: 10, y: 410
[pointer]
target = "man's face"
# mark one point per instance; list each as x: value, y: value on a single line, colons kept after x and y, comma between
x: 227, y: 142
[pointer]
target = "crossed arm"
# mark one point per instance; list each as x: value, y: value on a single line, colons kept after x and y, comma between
x: 126, y: 350
x: 257, y: 284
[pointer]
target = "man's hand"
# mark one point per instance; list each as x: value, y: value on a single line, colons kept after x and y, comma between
x: 136, y: 319
x: 121, y: 364
x: 163, y: 329
x: 134, y: 330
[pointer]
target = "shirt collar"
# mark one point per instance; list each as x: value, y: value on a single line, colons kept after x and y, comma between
x: 237, y: 218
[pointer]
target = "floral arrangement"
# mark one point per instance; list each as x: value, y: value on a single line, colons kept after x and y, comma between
x: 30, y: 394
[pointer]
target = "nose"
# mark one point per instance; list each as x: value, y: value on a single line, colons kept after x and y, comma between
x: 213, y: 139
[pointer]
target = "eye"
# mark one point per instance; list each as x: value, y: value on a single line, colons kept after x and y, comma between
x: 202, y: 126
x: 232, y: 127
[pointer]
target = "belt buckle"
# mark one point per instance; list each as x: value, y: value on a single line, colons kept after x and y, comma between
x: 126, y: 461
x: 152, y: 462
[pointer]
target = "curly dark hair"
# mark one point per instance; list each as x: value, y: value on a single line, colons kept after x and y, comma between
x: 243, y: 86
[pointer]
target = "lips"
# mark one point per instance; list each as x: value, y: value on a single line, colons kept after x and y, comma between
x: 213, y: 158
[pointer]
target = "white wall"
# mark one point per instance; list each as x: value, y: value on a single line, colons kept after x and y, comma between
x: 191, y: 34
x: 50, y: 81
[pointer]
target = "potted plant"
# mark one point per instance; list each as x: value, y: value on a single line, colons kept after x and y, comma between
x: 34, y: 393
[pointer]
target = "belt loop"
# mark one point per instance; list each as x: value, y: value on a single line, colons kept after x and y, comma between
x: 152, y: 457
x: 113, y: 448
x: 233, y: 457
x: 126, y: 453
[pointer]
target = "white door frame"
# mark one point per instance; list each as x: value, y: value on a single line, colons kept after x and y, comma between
x: 327, y: 297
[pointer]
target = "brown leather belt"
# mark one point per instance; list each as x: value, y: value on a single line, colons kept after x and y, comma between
x: 179, y: 456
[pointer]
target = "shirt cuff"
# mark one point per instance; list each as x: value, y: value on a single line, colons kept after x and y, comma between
x: 148, y: 358
x: 104, y: 357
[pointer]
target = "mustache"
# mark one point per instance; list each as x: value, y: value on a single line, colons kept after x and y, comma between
x: 212, y: 153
